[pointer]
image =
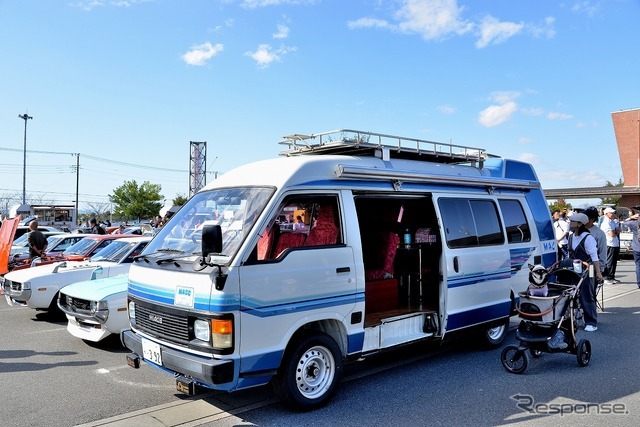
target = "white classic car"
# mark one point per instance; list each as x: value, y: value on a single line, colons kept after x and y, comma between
x: 38, y: 287
x: 96, y: 308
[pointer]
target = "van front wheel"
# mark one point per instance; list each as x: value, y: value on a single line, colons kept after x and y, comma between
x: 310, y: 372
x: 494, y: 336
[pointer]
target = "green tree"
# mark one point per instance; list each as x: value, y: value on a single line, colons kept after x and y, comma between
x: 180, y: 200
x: 133, y: 201
x: 559, y: 205
x: 613, y: 200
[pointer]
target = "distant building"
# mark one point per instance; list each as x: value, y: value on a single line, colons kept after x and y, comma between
x: 626, y: 124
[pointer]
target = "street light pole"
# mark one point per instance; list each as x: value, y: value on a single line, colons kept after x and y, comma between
x: 25, y: 117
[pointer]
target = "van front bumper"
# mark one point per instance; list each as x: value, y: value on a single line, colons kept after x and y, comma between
x: 204, y: 370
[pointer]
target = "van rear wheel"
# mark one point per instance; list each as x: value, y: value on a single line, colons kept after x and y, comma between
x: 495, y: 335
x: 310, y: 372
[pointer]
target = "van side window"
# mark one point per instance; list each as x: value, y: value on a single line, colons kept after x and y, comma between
x: 515, y: 221
x: 485, y: 214
x: 470, y: 222
x: 301, y: 221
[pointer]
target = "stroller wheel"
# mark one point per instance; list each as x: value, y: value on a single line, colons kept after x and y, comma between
x: 535, y: 353
x: 584, y: 352
x: 514, y: 360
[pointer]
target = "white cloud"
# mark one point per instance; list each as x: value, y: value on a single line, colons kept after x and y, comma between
x: 368, y: 23
x: 433, y: 19
x: 558, y: 116
x: 253, y: 4
x: 543, y: 31
x: 283, y: 32
x: 199, y: 55
x: 439, y: 19
x: 497, y: 114
x: 590, y: 8
x: 525, y: 141
x: 265, y: 54
x: 89, y: 5
x: 493, y: 31
x: 534, y: 159
x: 446, y: 109
x: 504, y: 96
x: 532, y: 111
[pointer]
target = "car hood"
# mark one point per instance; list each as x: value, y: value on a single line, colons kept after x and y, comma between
x: 99, y: 289
x: 49, y: 271
x: 7, y: 231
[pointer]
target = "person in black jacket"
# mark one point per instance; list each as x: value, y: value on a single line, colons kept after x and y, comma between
x: 95, y: 228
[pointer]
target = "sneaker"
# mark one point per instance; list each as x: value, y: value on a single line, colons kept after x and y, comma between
x: 616, y: 281
x: 590, y: 328
x: 608, y: 282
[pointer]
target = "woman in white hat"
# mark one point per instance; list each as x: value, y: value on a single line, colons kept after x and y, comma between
x: 583, y: 246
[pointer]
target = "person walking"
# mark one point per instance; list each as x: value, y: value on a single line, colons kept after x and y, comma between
x: 561, y: 229
x: 611, y: 229
x: 601, y: 237
x: 583, y: 246
x: 37, y: 241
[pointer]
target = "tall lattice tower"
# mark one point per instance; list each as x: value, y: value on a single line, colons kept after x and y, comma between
x: 197, y: 166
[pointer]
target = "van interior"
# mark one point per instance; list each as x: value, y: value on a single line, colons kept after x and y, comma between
x: 401, y: 254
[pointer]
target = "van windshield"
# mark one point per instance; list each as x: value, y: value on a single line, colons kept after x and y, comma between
x: 234, y: 209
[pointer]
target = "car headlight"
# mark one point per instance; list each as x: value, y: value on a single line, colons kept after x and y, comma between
x: 98, y: 306
x: 202, y: 330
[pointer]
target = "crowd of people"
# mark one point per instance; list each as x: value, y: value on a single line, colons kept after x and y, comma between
x: 593, y: 236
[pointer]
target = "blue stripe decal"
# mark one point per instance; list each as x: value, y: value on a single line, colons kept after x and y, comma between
x: 220, y: 302
x: 519, y: 257
x: 478, y: 315
x: 457, y: 281
x: 300, y: 306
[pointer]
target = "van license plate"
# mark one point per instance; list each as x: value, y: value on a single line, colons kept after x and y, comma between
x: 151, y: 352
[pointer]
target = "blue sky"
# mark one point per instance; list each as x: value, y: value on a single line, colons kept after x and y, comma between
x: 134, y: 81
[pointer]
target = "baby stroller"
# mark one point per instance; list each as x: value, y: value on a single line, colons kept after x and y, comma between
x: 551, y: 316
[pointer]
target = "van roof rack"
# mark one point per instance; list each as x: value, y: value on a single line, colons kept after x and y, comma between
x: 361, y: 143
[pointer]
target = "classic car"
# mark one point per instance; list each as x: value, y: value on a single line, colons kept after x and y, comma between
x: 95, y: 308
x: 82, y: 249
x: 56, y: 244
x: 38, y: 287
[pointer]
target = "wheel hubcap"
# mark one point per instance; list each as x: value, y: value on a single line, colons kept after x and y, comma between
x: 314, y: 372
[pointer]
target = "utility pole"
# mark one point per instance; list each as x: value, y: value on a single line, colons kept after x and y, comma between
x: 25, y: 117
x: 77, y: 184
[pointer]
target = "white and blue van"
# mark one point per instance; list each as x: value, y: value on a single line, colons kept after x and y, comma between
x: 348, y: 244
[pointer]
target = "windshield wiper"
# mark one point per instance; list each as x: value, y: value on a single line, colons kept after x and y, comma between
x: 157, y: 253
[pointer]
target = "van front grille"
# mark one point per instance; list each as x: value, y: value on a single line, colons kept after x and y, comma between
x: 162, y: 324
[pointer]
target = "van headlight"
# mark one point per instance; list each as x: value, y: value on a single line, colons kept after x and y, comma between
x: 201, y: 330
x: 26, y: 286
x: 132, y: 310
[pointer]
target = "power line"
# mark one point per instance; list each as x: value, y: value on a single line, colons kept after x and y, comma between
x: 99, y: 159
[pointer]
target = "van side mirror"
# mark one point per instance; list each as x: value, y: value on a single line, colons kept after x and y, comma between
x: 211, y: 240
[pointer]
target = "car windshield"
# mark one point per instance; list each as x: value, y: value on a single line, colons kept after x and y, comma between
x: 234, y: 209
x: 21, y: 241
x: 54, y: 241
x: 115, y: 251
x: 81, y: 248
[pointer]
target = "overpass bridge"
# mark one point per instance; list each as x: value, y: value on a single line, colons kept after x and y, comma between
x: 591, y: 192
